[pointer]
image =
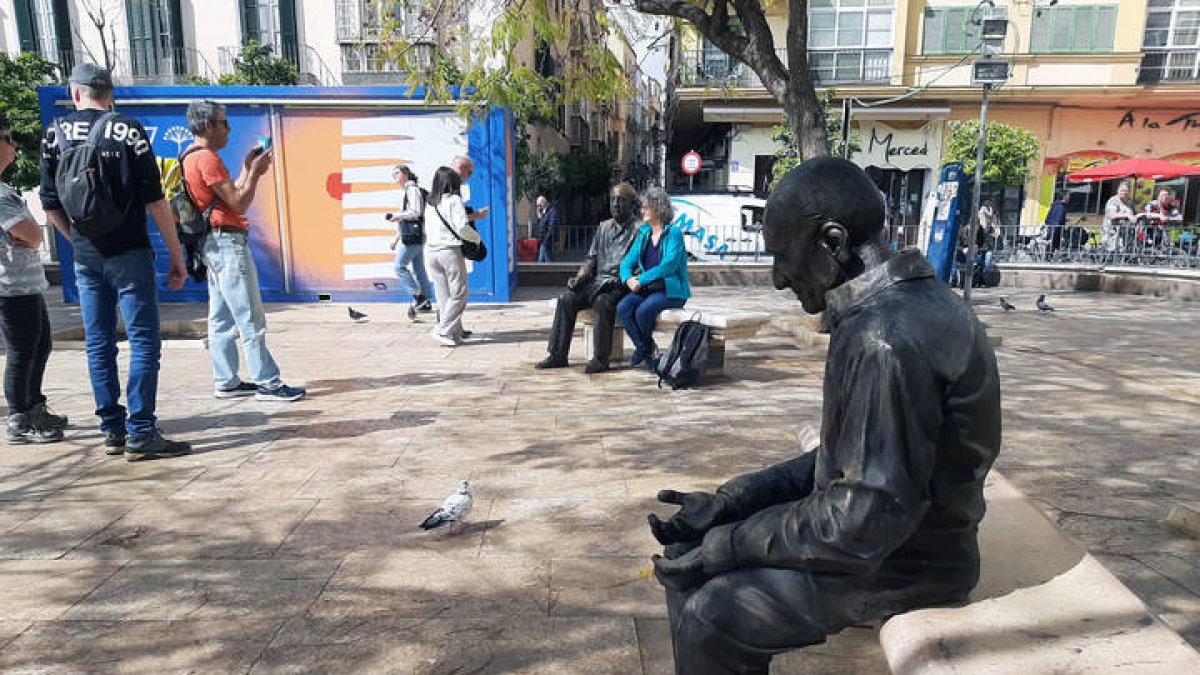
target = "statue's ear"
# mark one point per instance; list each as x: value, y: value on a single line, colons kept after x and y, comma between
x: 835, y: 239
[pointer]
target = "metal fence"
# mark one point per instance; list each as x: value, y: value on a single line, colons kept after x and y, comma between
x: 1131, y: 244
x: 722, y: 244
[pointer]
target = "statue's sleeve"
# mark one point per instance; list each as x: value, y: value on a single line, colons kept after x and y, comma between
x: 784, y: 482
x: 879, y: 445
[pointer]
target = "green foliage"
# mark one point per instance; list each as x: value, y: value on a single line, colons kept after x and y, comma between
x: 541, y: 174
x: 493, y: 73
x: 19, y: 79
x: 257, y: 65
x: 787, y: 154
x: 556, y: 175
x: 586, y: 175
x: 1008, y: 151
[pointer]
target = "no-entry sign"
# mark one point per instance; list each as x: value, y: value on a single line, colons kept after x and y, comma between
x: 691, y: 163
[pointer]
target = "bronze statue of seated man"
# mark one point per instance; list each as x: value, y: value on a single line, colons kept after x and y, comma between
x: 597, y: 285
x: 881, y: 517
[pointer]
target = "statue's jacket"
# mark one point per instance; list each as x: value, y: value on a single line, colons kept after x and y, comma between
x: 911, y: 425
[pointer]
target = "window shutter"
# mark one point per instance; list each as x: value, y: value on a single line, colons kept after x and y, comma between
x: 250, y: 28
x: 25, y: 26
x: 1106, y: 28
x: 62, y: 31
x: 287, y: 31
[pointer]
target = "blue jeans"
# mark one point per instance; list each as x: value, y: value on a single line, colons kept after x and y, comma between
x: 544, y: 249
x: 235, y: 307
x: 127, y: 281
x: 639, y: 315
x: 417, y: 280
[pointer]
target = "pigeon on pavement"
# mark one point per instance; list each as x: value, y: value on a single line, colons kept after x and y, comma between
x: 1041, y: 304
x: 355, y: 314
x: 1005, y: 304
x: 454, y: 509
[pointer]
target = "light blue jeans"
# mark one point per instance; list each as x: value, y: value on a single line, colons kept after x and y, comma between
x: 415, y: 281
x: 235, y: 308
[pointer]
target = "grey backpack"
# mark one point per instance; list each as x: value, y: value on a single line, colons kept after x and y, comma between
x: 84, y: 191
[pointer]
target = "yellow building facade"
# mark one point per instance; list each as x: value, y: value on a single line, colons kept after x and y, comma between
x: 1094, y: 81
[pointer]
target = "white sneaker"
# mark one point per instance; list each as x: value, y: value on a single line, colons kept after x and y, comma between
x: 445, y: 341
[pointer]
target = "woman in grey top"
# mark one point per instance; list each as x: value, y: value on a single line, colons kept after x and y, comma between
x: 23, y: 317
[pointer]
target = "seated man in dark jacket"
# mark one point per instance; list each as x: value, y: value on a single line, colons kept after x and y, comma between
x: 596, y: 285
x: 881, y: 517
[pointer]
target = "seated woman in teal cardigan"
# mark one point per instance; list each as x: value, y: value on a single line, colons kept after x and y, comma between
x: 655, y: 270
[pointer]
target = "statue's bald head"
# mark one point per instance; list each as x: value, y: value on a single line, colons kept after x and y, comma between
x: 815, y: 218
x: 822, y: 190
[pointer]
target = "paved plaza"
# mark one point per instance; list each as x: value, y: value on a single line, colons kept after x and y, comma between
x: 288, y: 541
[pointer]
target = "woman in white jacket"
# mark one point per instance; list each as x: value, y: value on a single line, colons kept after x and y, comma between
x: 445, y: 217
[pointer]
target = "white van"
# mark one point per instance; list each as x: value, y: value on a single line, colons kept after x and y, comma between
x: 720, y: 226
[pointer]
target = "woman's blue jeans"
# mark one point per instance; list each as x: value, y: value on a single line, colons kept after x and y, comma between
x: 415, y: 281
x: 639, y: 314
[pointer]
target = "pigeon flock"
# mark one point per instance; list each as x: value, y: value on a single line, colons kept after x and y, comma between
x: 1041, y: 304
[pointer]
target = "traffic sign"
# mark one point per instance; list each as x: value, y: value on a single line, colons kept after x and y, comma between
x: 691, y: 163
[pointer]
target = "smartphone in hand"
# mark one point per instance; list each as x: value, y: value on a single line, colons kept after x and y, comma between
x: 264, y: 144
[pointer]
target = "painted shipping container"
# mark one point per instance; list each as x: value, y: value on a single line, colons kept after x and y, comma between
x: 317, y: 226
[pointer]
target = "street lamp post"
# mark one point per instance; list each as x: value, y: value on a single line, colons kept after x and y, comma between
x: 986, y: 71
x: 973, y: 230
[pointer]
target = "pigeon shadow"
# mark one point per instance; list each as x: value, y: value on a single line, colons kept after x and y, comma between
x: 481, y: 526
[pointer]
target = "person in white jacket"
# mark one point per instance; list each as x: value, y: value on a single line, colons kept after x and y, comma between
x: 446, y: 227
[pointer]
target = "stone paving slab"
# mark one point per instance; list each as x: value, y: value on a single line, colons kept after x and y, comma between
x: 288, y: 541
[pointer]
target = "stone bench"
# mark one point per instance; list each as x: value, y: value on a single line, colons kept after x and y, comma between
x: 726, y: 324
x: 1043, y: 605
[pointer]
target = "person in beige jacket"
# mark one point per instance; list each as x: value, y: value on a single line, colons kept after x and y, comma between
x: 446, y: 227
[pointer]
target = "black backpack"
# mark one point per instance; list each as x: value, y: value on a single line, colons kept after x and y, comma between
x: 86, y: 194
x: 686, y: 359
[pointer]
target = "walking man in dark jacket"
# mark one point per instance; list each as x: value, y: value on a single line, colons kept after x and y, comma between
x: 547, y: 228
x: 880, y: 517
x: 597, y: 285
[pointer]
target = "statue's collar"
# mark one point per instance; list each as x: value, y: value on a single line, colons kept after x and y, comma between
x: 904, y: 266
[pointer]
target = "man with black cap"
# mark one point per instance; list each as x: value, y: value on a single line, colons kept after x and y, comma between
x: 881, y: 516
x: 99, y: 178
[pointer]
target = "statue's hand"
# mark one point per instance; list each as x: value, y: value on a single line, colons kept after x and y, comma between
x: 699, y: 512
x: 683, y: 573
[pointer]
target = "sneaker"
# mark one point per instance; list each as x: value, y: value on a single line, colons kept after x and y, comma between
x: 551, y: 361
x: 154, y: 446
x: 43, y: 416
x: 424, y: 305
x: 282, y: 392
x: 236, y: 391
x: 114, y: 443
x: 22, y: 431
x: 595, y: 366
x: 445, y: 341
x: 412, y: 312
x: 637, y: 358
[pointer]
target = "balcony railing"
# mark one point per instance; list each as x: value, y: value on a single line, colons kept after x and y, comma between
x: 715, y: 69
x: 136, y: 66
x: 308, y: 61
x: 1170, y: 65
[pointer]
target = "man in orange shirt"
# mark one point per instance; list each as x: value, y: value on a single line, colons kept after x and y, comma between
x: 234, y: 301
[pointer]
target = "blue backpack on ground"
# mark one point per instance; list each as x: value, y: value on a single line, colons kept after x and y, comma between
x: 686, y: 359
x: 85, y: 193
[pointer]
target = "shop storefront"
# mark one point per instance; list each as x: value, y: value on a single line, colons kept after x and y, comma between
x: 1080, y: 138
x: 902, y: 157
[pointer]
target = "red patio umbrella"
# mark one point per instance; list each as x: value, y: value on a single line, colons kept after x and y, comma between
x: 1139, y: 167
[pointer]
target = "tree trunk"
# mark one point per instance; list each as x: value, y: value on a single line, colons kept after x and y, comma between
x: 807, y: 120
